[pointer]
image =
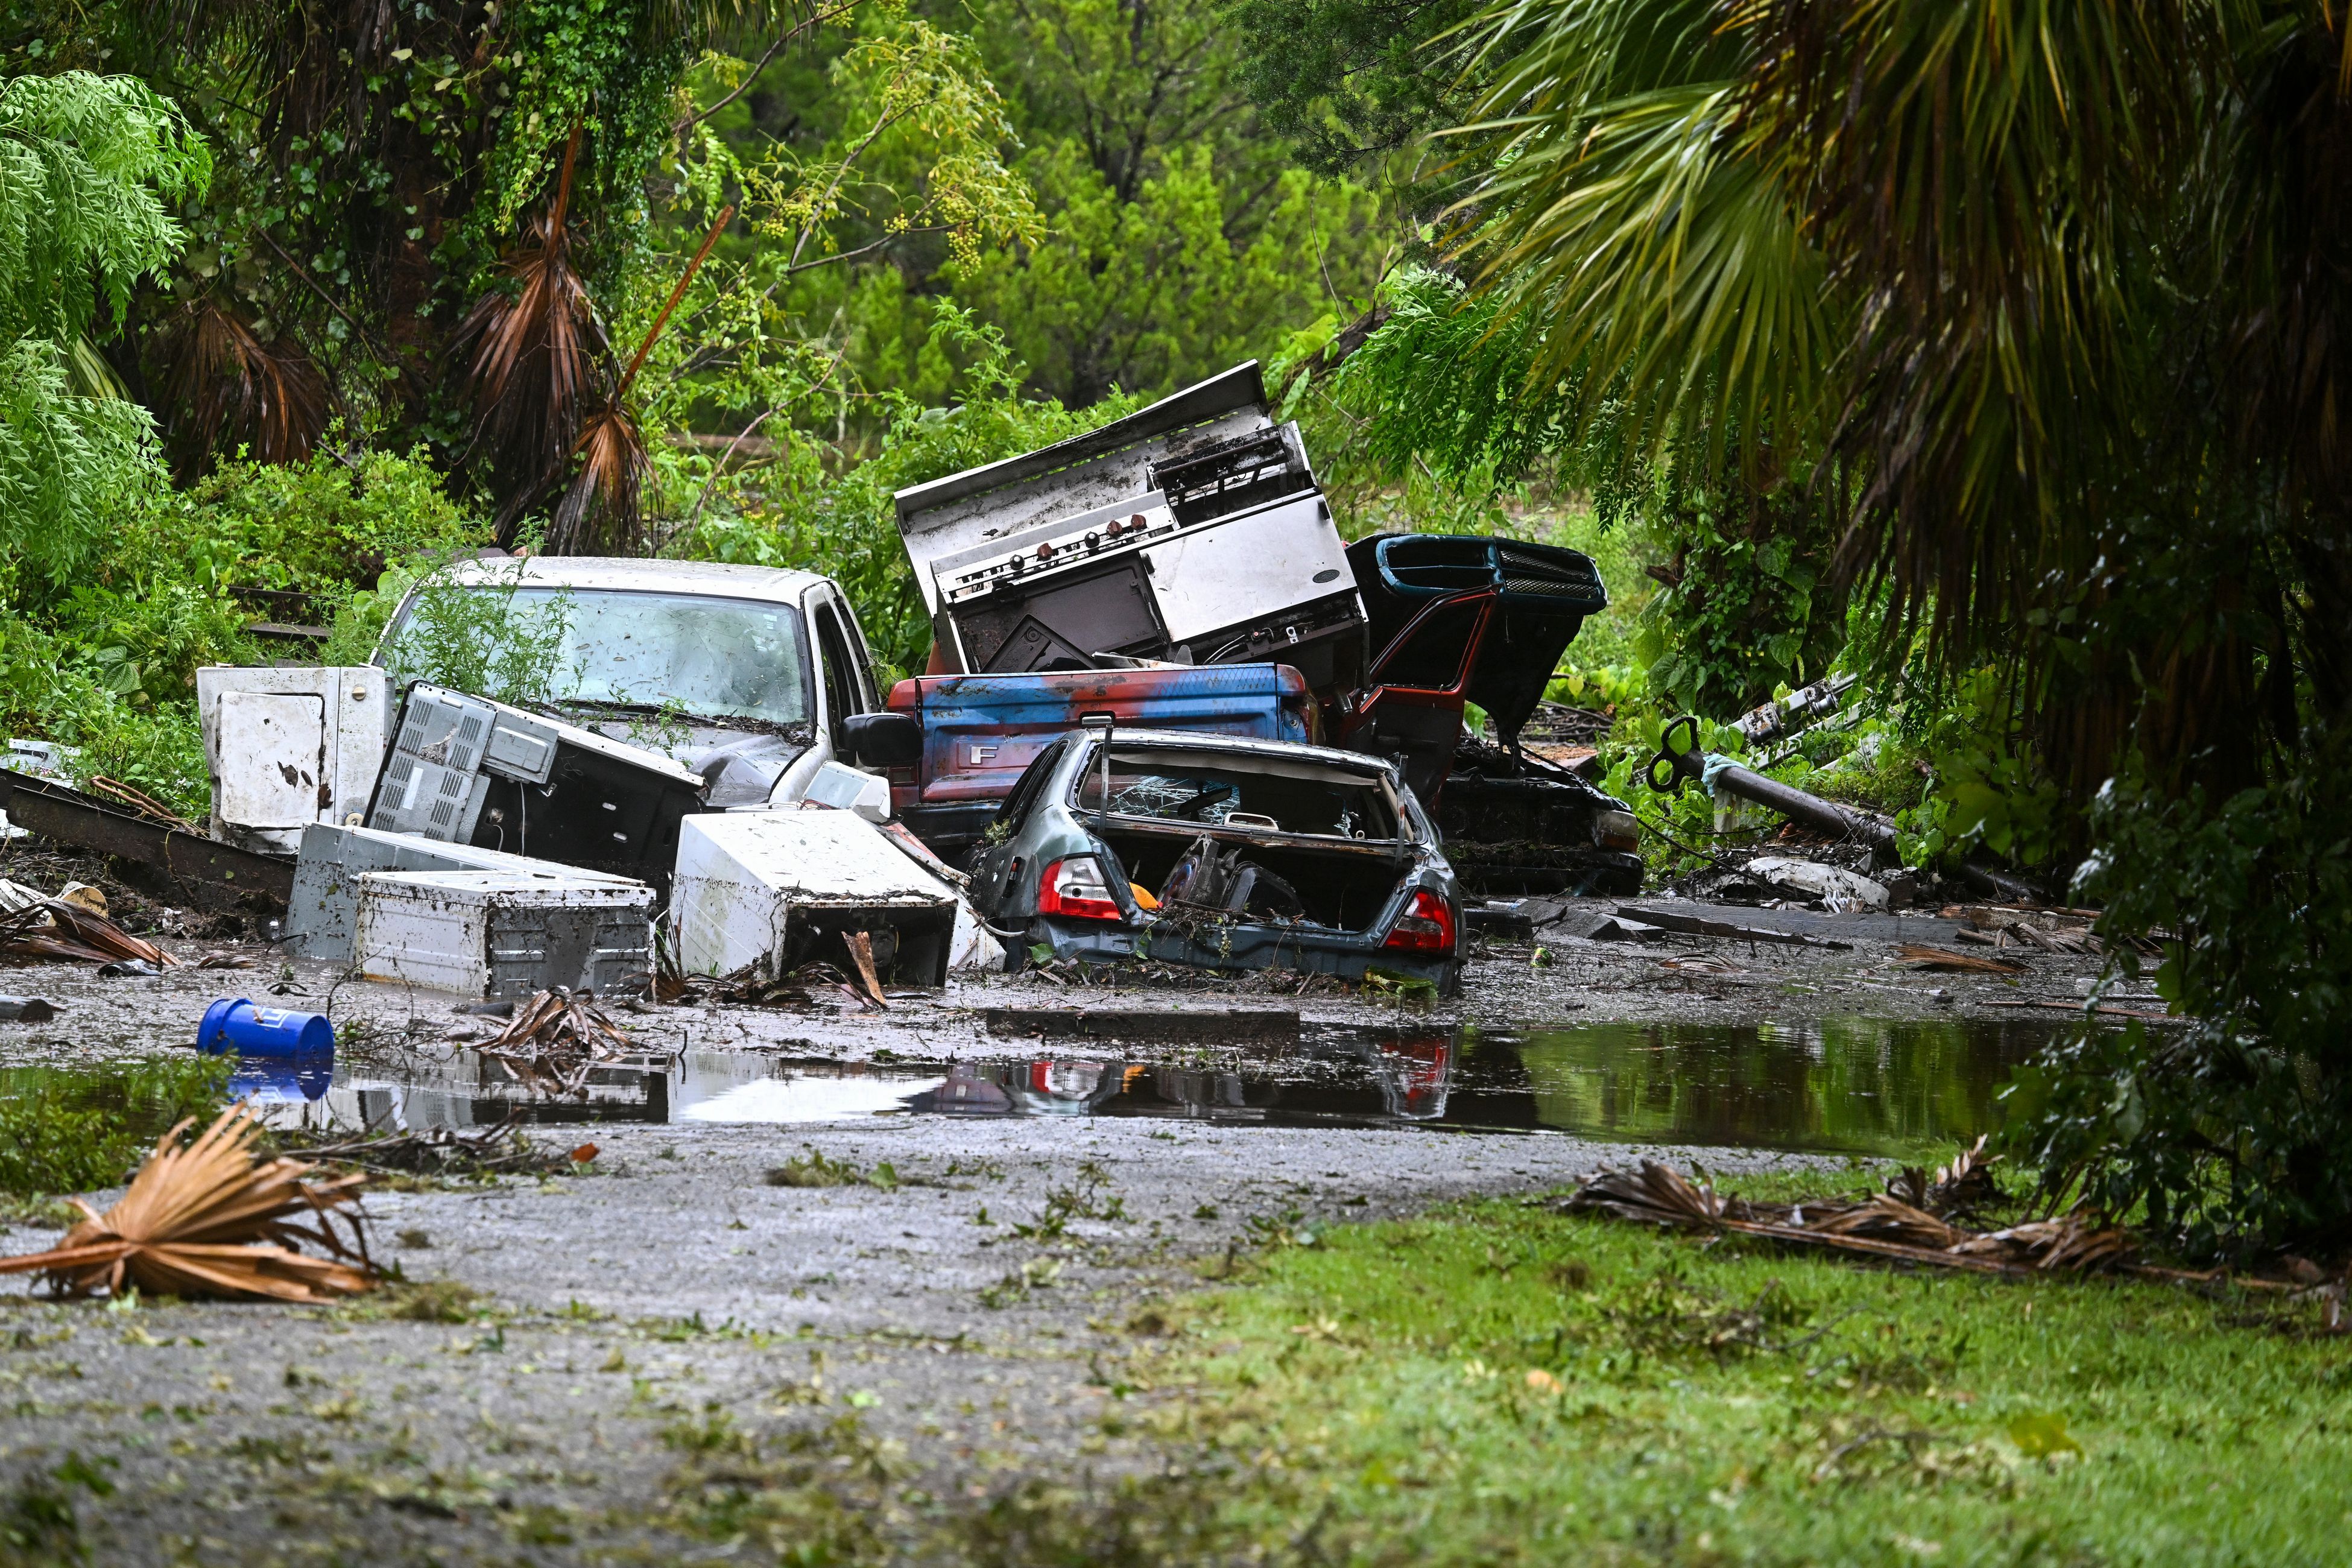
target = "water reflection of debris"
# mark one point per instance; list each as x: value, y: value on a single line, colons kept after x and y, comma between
x: 1399, y: 1080
x: 1858, y: 1085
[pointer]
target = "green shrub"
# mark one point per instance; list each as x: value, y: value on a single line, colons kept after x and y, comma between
x: 74, y: 1132
x: 844, y: 524
x: 482, y: 637
x: 2233, y: 1132
x: 323, y: 525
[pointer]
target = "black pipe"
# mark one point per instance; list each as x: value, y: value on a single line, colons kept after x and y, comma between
x: 1810, y: 809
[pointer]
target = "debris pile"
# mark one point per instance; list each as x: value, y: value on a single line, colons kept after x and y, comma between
x: 498, y: 1151
x: 1922, y: 955
x: 55, y: 929
x: 1927, y: 1220
x: 212, y: 1219
x: 2001, y: 926
x: 554, y: 1038
x: 1919, y: 1219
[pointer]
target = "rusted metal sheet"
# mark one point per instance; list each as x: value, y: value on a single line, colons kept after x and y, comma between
x: 204, y: 873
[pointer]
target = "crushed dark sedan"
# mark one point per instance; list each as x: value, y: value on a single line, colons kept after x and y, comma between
x: 1222, y: 852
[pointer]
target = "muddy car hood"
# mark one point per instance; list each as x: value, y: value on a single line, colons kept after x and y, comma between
x: 738, y: 766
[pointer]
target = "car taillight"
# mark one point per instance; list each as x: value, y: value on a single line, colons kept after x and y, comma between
x: 1426, y: 925
x: 1076, y: 890
x: 1616, y: 830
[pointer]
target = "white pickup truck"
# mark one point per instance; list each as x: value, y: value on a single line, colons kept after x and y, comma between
x: 751, y: 676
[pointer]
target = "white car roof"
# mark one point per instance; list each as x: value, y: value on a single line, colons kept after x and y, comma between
x: 718, y: 579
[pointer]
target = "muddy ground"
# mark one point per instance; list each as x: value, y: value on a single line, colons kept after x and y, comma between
x: 632, y: 1319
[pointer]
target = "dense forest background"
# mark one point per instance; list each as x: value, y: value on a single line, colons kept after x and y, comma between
x: 1993, y: 351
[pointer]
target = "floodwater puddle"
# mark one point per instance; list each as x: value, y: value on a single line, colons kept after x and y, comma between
x: 1851, y: 1085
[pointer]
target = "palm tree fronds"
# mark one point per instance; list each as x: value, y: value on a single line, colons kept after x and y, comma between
x: 534, y: 356
x: 232, y: 390
x: 599, y: 512
x: 209, y: 1219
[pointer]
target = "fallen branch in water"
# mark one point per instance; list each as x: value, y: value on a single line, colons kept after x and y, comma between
x: 554, y: 1038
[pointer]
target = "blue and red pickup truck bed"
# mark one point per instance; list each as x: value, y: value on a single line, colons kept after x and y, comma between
x: 980, y: 731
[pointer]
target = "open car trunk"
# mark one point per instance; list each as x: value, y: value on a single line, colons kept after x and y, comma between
x: 1249, y: 837
x: 1343, y: 887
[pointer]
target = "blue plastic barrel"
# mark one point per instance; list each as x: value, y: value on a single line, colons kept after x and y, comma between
x: 251, y: 1031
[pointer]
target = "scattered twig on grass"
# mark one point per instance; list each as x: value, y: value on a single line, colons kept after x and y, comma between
x: 1916, y: 1220
x: 211, y: 1219
x: 1839, y: 1455
x: 1881, y: 1226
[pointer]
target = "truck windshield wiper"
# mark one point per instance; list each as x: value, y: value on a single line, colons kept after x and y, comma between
x: 609, y: 706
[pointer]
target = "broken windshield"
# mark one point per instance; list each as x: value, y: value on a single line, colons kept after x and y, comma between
x: 704, y: 657
x: 1234, y: 792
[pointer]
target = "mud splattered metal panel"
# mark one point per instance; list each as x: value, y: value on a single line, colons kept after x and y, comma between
x: 502, y: 933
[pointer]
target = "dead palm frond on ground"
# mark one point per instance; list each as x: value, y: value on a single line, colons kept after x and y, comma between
x: 55, y: 929
x: 209, y: 1218
x: 1885, y: 1226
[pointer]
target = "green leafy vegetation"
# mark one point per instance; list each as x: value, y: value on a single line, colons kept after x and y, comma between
x: 844, y: 523
x: 75, y: 1130
x: 1500, y: 1382
x: 2235, y: 1134
x: 106, y: 660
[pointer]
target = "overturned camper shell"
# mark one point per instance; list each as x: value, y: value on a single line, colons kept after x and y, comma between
x: 770, y: 890
x: 322, y: 912
x: 1191, y: 531
x: 502, y: 933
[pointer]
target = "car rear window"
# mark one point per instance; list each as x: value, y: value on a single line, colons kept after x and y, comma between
x: 1277, y: 794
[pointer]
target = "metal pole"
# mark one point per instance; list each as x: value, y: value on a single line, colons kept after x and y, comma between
x: 1810, y: 809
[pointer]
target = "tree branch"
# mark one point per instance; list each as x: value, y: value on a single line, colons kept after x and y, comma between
x: 814, y: 19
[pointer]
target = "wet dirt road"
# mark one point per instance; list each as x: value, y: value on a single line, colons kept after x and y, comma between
x: 970, y: 1323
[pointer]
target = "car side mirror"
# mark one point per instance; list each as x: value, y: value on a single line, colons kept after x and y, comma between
x: 883, y: 740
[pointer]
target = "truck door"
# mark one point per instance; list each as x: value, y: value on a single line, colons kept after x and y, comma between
x: 1417, y: 690
x: 844, y: 691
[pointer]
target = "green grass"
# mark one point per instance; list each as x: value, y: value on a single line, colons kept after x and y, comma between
x: 75, y: 1130
x: 1499, y: 1383
x: 1624, y: 554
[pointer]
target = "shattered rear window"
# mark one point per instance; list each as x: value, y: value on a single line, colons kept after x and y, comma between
x: 1270, y: 794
